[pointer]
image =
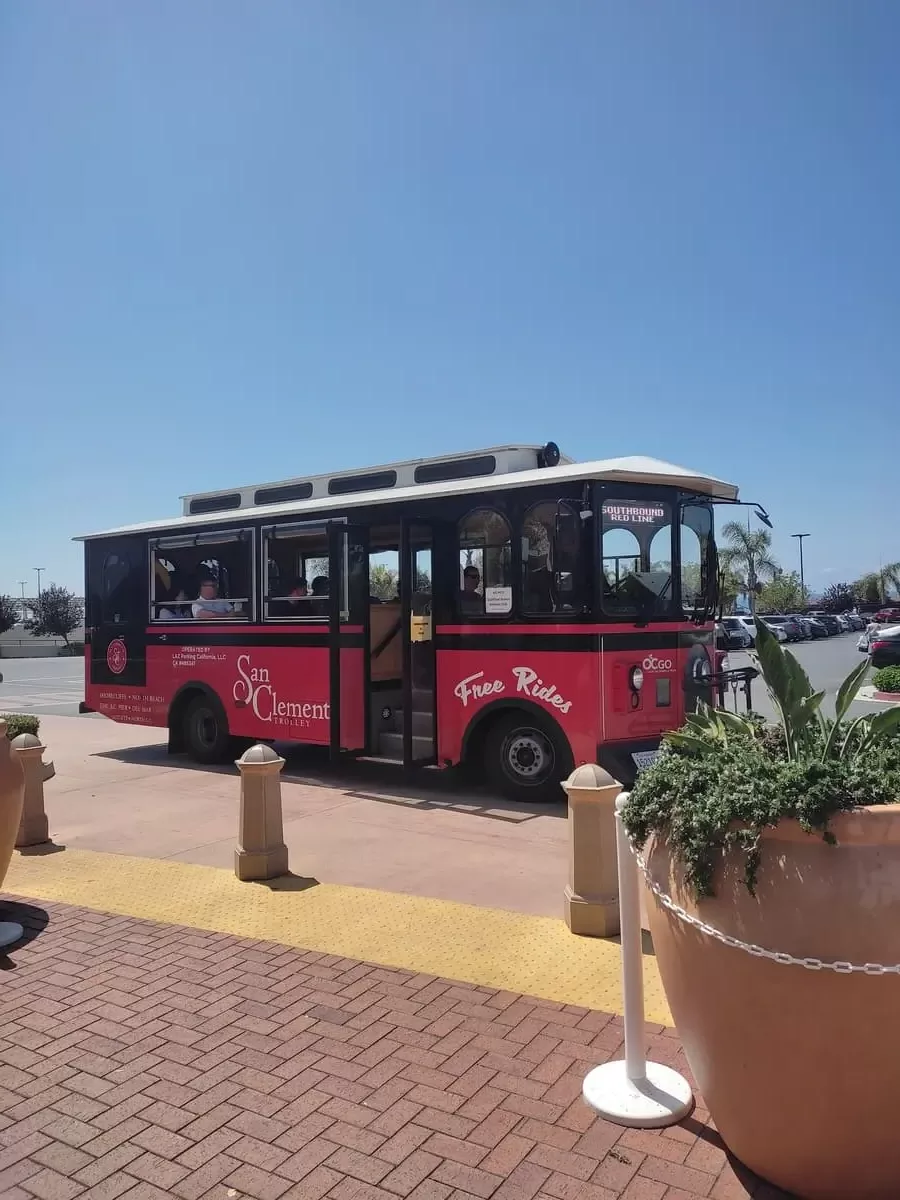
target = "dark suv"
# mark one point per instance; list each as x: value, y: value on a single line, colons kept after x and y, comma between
x: 830, y: 621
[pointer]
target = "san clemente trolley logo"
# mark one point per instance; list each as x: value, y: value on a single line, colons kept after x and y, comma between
x: 116, y: 656
x: 254, y: 690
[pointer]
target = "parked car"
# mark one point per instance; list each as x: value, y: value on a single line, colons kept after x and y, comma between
x: 884, y: 646
x: 805, y: 626
x: 788, y: 624
x: 856, y: 620
x: 830, y: 621
x: 887, y: 616
x: 748, y: 624
x: 735, y: 634
x: 818, y: 629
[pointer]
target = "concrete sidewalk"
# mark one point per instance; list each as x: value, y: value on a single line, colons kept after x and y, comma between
x: 117, y: 790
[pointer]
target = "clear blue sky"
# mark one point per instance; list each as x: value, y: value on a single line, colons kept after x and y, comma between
x: 243, y: 241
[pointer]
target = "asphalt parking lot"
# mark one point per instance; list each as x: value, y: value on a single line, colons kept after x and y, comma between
x: 43, y: 686
x: 827, y: 663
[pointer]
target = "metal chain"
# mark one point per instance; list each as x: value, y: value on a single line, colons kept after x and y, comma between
x: 811, y: 964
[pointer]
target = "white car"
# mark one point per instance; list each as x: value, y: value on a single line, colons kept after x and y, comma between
x: 750, y: 625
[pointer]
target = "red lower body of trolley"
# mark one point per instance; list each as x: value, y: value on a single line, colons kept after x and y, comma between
x: 593, y: 693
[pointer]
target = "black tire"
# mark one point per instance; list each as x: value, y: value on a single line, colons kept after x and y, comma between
x: 206, y: 736
x: 527, y: 758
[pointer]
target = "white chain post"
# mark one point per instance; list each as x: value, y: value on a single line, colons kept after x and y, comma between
x: 634, y: 1092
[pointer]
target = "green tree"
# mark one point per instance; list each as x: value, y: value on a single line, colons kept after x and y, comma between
x: 9, y: 613
x: 748, y: 555
x: 383, y: 582
x: 730, y: 587
x: 838, y: 597
x: 57, y: 613
x: 890, y: 576
x: 783, y: 594
x: 869, y: 588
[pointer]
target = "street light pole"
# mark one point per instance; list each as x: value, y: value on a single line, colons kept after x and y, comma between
x: 21, y: 583
x: 800, y: 537
x: 39, y: 570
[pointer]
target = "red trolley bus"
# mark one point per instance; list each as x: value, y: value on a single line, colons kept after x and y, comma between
x: 508, y: 608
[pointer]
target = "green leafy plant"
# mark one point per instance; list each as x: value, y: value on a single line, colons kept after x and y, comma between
x: 17, y: 723
x: 723, y: 778
x: 887, y: 679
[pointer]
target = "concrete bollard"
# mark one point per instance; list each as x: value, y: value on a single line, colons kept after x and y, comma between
x: 261, y: 852
x: 33, y: 828
x: 592, y: 893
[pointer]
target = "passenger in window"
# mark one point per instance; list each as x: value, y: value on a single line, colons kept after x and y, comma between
x: 298, y: 591
x: 208, y: 607
x: 292, y: 605
x: 320, y: 596
x: 178, y: 610
x: 471, y: 602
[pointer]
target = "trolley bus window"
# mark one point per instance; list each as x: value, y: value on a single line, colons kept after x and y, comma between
x: 115, y: 579
x: 637, y: 557
x: 697, y: 560
x: 195, y: 577
x: 551, y: 571
x: 297, y: 585
x: 485, y: 564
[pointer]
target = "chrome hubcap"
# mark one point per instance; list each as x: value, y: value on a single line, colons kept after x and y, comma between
x: 528, y: 756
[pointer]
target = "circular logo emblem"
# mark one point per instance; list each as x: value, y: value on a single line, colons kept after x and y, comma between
x: 116, y: 656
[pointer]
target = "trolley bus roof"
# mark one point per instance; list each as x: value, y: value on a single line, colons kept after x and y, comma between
x: 634, y: 469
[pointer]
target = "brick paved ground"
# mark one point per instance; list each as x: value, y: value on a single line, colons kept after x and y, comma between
x: 143, y: 1060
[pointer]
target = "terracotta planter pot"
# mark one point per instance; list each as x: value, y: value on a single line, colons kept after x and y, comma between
x: 12, y: 794
x: 800, y: 1068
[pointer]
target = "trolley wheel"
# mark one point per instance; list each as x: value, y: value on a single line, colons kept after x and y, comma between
x: 206, y: 736
x: 527, y: 758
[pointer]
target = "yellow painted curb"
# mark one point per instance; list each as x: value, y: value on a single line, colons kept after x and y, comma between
x: 485, y: 946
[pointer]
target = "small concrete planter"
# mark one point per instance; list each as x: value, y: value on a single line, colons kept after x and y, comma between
x: 800, y: 1067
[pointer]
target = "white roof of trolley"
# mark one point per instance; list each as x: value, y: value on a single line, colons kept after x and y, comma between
x: 480, y: 472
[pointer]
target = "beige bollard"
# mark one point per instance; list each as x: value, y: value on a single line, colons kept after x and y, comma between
x: 592, y: 893
x: 261, y: 852
x: 33, y: 828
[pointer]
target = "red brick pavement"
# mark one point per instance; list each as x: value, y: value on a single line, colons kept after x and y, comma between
x: 140, y: 1060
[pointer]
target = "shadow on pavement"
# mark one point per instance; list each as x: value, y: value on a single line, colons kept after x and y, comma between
x: 40, y: 850
x: 288, y: 883
x: 438, y: 791
x: 33, y: 920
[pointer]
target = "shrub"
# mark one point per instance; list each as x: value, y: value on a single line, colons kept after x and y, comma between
x: 887, y: 679
x: 723, y: 778
x: 17, y: 723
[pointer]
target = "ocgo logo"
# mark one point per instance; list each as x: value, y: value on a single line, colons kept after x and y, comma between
x: 652, y: 663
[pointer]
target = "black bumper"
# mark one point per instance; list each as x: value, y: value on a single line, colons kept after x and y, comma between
x: 615, y: 757
x: 83, y: 708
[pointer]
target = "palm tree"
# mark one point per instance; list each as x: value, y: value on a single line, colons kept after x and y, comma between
x: 890, y: 574
x: 749, y: 554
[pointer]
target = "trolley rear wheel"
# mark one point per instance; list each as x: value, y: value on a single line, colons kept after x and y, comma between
x: 206, y: 736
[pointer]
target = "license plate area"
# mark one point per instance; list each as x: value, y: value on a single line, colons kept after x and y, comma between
x: 644, y: 758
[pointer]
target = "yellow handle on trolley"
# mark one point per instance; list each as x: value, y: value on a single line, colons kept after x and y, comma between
x: 420, y: 628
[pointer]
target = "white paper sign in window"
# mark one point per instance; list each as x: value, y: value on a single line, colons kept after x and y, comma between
x: 498, y: 599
